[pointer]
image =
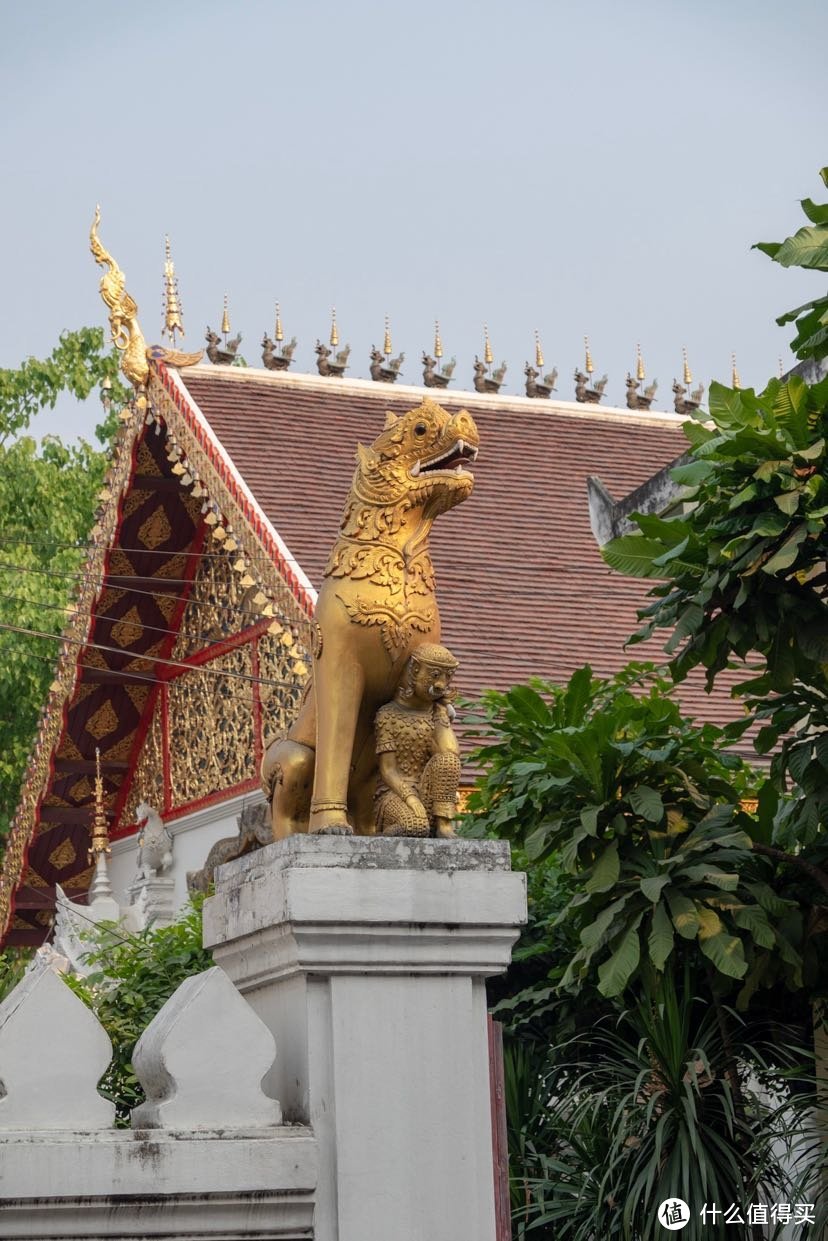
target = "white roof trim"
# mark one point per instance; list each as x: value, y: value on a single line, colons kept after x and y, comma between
x: 221, y: 451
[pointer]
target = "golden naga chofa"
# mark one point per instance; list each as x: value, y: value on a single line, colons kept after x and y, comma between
x: 377, y: 605
x: 123, y: 313
x: 127, y: 336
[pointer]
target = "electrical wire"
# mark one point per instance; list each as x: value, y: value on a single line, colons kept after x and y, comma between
x: 209, y: 640
x: 150, y: 659
x: 148, y: 679
x: 91, y: 545
x: 100, y: 581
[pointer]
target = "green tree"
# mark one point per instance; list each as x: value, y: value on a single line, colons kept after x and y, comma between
x: 132, y: 977
x: 47, y: 502
x: 808, y: 247
x: 741, y: 582
x: 661, y: 968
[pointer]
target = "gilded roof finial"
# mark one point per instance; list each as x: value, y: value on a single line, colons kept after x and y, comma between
x: 127, y: 336
x: 688, y: 374
x: 100, y: 828
x: 173, y: 321
x: 488, y: 356
x: 538, y: 351
x: 735, y: 377
x: 387, y: 348
x: 279, y: 334
x: 334, y: 329
x: 225, y: 320
x: 588, y: 365
x: 639, y: 364
x: 438, y: 343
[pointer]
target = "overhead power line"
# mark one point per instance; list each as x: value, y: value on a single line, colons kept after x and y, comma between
x: 209, y: 640
x: 102, y: 580
x: 91, y: 545
x: 150, y: 659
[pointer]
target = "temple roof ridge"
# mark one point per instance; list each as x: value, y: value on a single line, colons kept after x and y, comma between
x: 458, y: 396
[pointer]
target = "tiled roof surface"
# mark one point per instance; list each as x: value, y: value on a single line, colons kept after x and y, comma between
x: 522, y: 587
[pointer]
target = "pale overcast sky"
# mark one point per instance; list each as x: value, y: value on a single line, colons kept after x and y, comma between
x: 593, y: 167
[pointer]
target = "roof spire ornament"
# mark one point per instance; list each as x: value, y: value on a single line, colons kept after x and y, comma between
x: 588, y: 364
x: 334, y: 339
x: 225, y: 320
x: 735, y: 377
x: 438, y: 342
x: 387, y: 347
x: 688, y: 374
x: 100, y: 828
x: 173, y: 321
x: 279, y: 334
x: 546, y: 387
x: 639, y: 364
x: 488, y: 356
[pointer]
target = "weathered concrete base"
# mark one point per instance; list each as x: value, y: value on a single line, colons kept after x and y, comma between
x: 366, y: 958
x: 129, y: 1184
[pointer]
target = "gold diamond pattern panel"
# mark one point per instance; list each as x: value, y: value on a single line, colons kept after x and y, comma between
x: 156, y: 530
x: 103, y: 722
x: 63, y: 855
x: 211, y: 741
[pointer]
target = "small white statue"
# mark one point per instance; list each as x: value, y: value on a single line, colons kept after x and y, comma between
x: 154, y: 843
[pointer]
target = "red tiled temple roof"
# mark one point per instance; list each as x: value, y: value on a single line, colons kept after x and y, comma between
x: 522, y: 586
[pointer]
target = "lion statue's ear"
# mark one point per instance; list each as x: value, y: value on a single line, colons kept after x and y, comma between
x: 390, y: 420
x: 365, y: 458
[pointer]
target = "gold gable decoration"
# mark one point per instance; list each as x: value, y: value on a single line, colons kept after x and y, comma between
x: 148, y: 780
x: 204, y: 761
x: 221, y: 505
x: 217, y: 606
x: 279, y: 704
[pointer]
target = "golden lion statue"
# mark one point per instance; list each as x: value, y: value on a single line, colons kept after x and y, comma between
x: 377, y: 602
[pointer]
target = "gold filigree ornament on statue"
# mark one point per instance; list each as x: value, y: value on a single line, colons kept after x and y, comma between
x: 377, y: 603
x: 418, y: 754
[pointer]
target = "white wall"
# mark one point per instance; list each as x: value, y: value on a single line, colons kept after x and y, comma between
x: 193, y: 836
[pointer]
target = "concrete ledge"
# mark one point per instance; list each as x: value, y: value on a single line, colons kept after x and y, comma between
x: 367, y: 853
x: 146, y: 1183
x: 367, y: 904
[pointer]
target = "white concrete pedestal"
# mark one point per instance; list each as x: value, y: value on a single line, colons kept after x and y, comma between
x: 366, y: 958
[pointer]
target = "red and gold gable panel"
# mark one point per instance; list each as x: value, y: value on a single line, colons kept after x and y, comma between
x: 182, y: 619
x: 242, y: 675
x: 146, y: 574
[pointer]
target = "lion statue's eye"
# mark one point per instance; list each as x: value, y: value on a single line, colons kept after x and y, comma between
x: 420, y: 428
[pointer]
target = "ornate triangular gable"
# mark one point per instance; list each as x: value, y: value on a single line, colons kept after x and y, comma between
x: 190, y: 608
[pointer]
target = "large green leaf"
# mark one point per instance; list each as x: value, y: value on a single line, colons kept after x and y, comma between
x: 685, y: 914
x: 652, y: 886
x: 788, y: 552
x: 726, y: 953
x: 807, y: 248
x: 606, y: 870
x: 817, y: 213
x: 754, y: 919
x: 633, y: 555
x: 647, y: 802
x: 614, y: 974
x: 661, y: 938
